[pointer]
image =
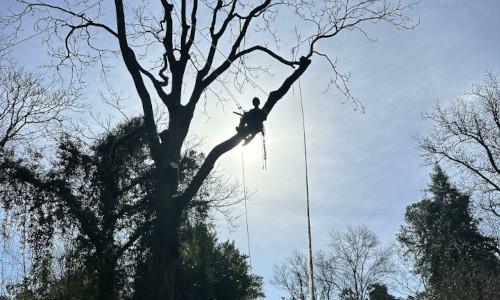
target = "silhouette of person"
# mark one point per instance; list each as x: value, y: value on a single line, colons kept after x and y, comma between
x: 251, y: 122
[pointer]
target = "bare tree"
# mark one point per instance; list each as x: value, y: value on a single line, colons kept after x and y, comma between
x: 360, y: 260
x: 324, y: 271
x: 29, y: 107
x: 174, y: 32
x: 466, y: 135
x: 405, y: 280
x: 353, y: 263
x: 291, y: 276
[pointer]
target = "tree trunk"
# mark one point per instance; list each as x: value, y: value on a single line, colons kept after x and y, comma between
x: 106, y: 277
x: 165, y: 255
x: 164, y: 259
x: 169, y: 209
x: 165, y: 236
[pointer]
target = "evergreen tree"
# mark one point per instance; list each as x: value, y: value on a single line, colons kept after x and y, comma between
x: 380, y: 292
x: 213, y: 270
x: 451, y: 254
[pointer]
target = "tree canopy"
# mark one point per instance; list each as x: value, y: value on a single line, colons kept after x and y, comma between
x: 451, y: 254
x: 94, y: 201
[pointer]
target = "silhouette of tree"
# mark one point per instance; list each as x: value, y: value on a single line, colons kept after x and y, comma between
x: 466, y: 135
x: 213, y: 270
x: 291, y: 276
x: 96, y: 201
x: 30, y: 107
x: 95, y: 195
x: 353, y: 263
x: 77, y: 30
x: 380, y: 292
x: 452, y: 256
x: 360, y: 260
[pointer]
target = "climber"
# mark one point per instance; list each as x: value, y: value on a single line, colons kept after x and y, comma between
x: 251, y: 122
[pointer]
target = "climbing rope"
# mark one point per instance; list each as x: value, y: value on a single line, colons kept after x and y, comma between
x: 238, y: 105
x: 309, y: 239
x: 264, y: 149
x: 245, y: 201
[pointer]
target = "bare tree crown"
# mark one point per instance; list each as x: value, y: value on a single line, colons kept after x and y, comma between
x: 29, y: 107
x: 466, y: 134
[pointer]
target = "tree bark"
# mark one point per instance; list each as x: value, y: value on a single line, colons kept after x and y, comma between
x: 106, y: 278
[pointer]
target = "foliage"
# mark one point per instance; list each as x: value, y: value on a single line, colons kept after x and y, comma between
x: 208, y: 269
x: 95, y: 201
x: 380, y: 292
x: 451, y: 254
x: 90, y: 199
x: 213, y: 270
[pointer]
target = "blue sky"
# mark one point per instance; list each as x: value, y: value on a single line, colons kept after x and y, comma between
x: 364, y: 167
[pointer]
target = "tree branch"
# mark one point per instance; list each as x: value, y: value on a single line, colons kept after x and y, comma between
x: 134, y: 69
x: 168, y: 39
x: 276, y: 95
x: 269, y: 52
x: 194, y: 21
x: 82, y: 16
x: 131, y: 240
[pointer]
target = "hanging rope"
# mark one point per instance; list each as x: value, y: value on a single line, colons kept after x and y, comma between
x: 264, y: 149
x: 310, y: 273
x: 246, y: 209
x: 238, y: 105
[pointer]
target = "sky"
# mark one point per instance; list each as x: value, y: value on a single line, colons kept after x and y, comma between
x: 364, y: 168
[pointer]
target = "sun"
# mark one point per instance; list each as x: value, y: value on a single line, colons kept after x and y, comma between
x: 252, y: 153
